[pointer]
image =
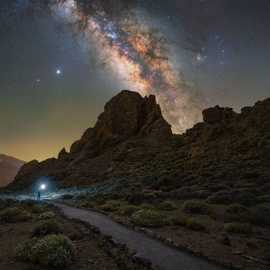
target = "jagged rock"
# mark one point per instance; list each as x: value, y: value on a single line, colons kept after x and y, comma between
x: 63, y: 154
x: 218, y: 115
x: 132, y: 146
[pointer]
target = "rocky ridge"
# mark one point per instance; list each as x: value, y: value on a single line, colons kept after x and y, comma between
x: 131, y: 144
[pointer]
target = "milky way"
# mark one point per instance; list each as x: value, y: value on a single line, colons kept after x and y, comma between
x: 137, y: 54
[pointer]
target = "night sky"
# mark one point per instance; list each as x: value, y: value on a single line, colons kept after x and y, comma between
x: 61, y: 60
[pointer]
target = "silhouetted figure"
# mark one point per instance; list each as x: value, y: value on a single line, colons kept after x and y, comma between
x: 38, y: 196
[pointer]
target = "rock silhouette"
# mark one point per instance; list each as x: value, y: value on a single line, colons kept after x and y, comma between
x: 133, y: 146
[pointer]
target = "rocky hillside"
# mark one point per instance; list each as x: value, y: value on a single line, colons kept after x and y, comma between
x: 132, y: 146
x: 9, y: 167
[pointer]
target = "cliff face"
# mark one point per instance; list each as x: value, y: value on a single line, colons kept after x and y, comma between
x: 132, y: 145
x: 9, y: 167
x: 128, y: 121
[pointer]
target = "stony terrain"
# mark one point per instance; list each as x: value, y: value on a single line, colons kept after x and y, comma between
x: 9, y: 167
x: 207, y: 190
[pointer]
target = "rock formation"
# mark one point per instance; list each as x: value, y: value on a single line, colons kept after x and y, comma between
x: 133, y: 147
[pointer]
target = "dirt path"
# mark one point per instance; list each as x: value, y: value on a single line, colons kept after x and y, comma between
x: 161, y: 255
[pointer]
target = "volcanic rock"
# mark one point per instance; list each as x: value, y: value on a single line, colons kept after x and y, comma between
x: 132, y: 147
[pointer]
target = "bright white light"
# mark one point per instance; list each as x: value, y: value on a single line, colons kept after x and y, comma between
x: 43, y: 187
x: 58, y: 72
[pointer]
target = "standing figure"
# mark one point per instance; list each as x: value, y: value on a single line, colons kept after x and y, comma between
x: 38, y: 196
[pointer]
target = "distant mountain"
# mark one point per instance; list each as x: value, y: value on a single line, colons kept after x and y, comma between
x: 132, y: 146
x: 9, y: 167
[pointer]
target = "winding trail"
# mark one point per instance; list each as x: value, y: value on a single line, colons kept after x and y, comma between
x: 161, y: 255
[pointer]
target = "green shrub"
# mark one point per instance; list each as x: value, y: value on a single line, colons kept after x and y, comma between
x: 53, y: 250
x: 195, y: 224
x: 179, y: 220
x: 149, y: 218
x: 39, y: 208
x: 46, y: 227
x: 235, y: 227
x: 127, y: 210
x: 191, y: 223
x: 110, y: 206
x: 237, y: 212
x: 167, y: 206
x: 46, y: 215
x: 196, y: 207
x: 14, y: 214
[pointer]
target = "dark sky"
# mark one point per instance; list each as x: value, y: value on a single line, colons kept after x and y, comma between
x: 60, y: 61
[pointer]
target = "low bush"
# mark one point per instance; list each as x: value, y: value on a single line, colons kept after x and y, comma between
x: 149, y: 218
x: 110, y: 206
x: 46, y: 215
x: 14, y: 214
x: 39, y: 208
x: 55, y: 251
x: 46, y: 227
x: 195, y: 224
x: 237, y: 212
x: 235, y: 227
x: 127, y: 210
x: 167, y: 206
x: 196, y: 207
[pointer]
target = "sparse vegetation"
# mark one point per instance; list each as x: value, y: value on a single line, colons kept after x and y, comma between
x: 195, y: 224
x: 196, y: 207
x: 237, y: 212
x: 191, y: 223
x: 235, y: 227
x: 127, y: 210
x: 167, y: 206
x: 149, y: 218
x: 53, y: 250
x: 46, y: 227
x: 110, y: 206
x: 46, y: 215
x: 14, y: 214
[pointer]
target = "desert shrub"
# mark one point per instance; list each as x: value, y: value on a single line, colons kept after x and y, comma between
x: 14, y: 214
x: 179, y: 220
x: 235, y: 227
x: 46, y: 215
x: 127, y: 210
x: 53, y: 250
x: 149, y: 218
x: 39, y: 208
x: 196, y: 207
x: 110, y: 206
x: 221, y: 197
x: 195, y: 224
x: 232, y: 196
x: 46, y: 227
x: 237, y: 212
x: 260, y: 215
x: 167, y: 206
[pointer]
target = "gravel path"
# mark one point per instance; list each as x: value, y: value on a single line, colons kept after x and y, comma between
x: 161, y: 255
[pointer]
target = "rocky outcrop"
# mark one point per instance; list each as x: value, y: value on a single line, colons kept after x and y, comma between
x: 133, y: 146
x: 126, y: 117
x: 9, y: 167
